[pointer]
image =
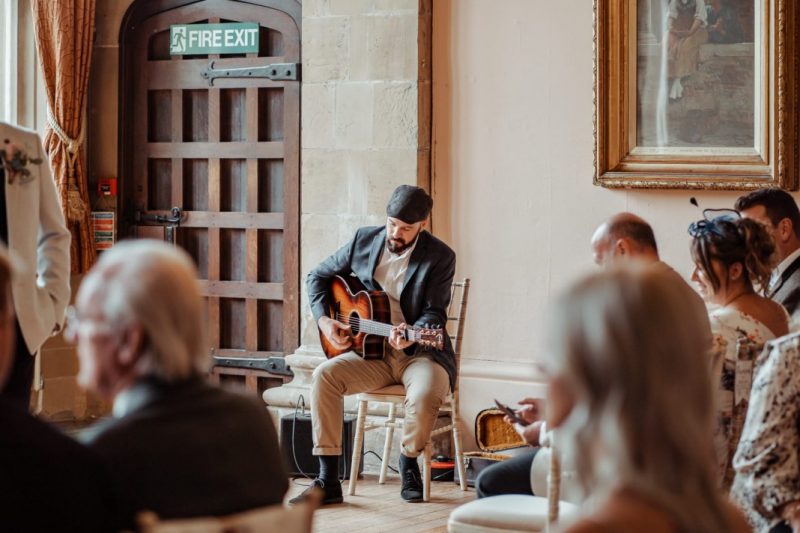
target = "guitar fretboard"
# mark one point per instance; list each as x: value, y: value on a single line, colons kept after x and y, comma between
x: 372, y: 327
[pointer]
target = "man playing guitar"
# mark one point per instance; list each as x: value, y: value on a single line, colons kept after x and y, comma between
x: 416, y: 271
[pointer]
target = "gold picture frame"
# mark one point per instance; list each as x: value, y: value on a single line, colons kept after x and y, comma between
x: 622, y: 156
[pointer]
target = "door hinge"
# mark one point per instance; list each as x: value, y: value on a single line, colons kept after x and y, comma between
x: 273, y: 71
x: 275, y: 365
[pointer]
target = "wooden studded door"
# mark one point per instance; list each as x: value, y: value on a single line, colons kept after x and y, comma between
x: 227, y: 156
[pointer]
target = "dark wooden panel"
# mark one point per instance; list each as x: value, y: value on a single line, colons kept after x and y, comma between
x: 270, y: 114
x: 195, y: 117
x: 158, y: 46
x: 159, y: 116
x: 270, y: 42
x: 195, y: 184
x: 159, y: 183
x: 232, y: 115
x: 270, y: 256
x: 270, y: 185
x: 232, y: 254
x: 270, y: 320
x: 232, y: 323
x: 199, y: 150
x: 233, y: 184
x: 195, y: 242
x: 242, y: 289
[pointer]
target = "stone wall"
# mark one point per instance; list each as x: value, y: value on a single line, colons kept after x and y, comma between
x: 365, y: 130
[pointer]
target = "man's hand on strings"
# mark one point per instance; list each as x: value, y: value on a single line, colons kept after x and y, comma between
x: 397, y: 337
x: 336, y: 332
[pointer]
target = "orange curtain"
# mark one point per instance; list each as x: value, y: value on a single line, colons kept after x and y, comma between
x: 64, y: 32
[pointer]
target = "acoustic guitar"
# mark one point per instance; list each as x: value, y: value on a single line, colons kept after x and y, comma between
x: 369, y: 316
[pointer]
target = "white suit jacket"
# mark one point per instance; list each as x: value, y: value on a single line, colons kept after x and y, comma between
x: 39, y: 242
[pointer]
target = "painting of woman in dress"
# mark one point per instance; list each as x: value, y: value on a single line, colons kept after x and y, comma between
x: 686, y: 33
x: 696, y: 73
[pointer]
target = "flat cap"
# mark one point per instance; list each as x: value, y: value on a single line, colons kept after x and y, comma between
x: 409, y: 204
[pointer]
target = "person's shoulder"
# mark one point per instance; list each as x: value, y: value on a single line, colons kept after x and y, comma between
x: 12, y: 130
x: 40, y: 438
x: 437, y: 244
x: 368, y: 232
x: 786, y: 343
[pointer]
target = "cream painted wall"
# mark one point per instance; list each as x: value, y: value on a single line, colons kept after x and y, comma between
x: 512, y: 119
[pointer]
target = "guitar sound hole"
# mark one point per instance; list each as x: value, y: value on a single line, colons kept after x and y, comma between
x: 354, y: 322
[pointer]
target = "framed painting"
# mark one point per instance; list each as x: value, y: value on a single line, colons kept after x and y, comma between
x: 696, y: 94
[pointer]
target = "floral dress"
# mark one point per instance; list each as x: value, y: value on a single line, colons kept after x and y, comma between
x: 766, y: 461
x: 732, y: 377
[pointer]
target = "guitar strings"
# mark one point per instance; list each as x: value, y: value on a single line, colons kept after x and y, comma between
x: 356, y: 320
x: 380, y: 328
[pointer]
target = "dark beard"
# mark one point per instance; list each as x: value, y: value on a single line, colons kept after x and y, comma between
x: 398, y: 249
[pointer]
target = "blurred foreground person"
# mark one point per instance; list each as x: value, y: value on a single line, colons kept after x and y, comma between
x: 48, y: 482
x: 628, y: 387
x: 177, y: 446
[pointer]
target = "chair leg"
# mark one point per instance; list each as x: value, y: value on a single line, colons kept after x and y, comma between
x: 462, y: 474
x: 426, y: 473
x: 355, y: 463
x: 387, y: 446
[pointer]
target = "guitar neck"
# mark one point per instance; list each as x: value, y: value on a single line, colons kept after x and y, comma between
x: 372, y: 327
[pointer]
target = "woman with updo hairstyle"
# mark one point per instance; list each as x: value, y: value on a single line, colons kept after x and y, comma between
x: 629, y: 400
x: 733, y: 257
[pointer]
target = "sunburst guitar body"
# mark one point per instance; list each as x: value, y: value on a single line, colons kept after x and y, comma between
x: 368, y: 314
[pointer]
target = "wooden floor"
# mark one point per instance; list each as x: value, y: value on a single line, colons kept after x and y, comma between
x: 379, y: 508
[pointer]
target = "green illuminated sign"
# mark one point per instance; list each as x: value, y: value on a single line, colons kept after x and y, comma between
x: 202, y: 39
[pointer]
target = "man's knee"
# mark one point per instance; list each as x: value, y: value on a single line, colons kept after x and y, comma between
x: 485, y: 483
x: 422, y: 401
x: 324, y: 375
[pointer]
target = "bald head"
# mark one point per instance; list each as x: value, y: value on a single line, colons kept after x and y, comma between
x: 624, y: 236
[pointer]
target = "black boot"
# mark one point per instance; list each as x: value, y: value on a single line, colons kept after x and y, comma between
x: 331, y: 492
x: 411, y: 490
x: 328, y: 482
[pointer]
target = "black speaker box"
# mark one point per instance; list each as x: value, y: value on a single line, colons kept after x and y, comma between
x: 296, y: 444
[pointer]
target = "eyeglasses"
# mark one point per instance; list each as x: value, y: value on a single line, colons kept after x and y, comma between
x: 712, y: 221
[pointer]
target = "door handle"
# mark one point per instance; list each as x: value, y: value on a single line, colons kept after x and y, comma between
x: 169, y: 222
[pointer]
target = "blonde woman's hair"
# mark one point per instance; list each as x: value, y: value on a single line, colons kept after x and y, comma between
x: 635, y: 361
x: 154, y: 285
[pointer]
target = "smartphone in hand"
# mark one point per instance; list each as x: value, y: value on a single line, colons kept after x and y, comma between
x: 512, y: 414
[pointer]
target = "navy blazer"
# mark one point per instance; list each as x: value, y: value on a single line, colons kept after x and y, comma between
x: 426, y: 288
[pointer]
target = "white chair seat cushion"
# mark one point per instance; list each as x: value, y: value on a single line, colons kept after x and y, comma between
x: 506, y: 513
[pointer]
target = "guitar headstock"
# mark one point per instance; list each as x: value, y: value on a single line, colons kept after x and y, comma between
x: 430, y: 337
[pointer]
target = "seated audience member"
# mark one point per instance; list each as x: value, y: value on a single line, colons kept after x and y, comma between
x: 177, y: 446
x: 622, y: 238
x: 731, y: 255
x: 767, y: 485
x: 626, y: 236
x: 778, y: 211
x: 513, y: 476
x: 628, y: 388
x: 48, y: 482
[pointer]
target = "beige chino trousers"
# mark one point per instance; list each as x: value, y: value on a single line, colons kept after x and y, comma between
x: 425, y: 381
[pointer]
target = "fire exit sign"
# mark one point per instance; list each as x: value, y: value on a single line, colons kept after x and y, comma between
x: 202, y: 39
